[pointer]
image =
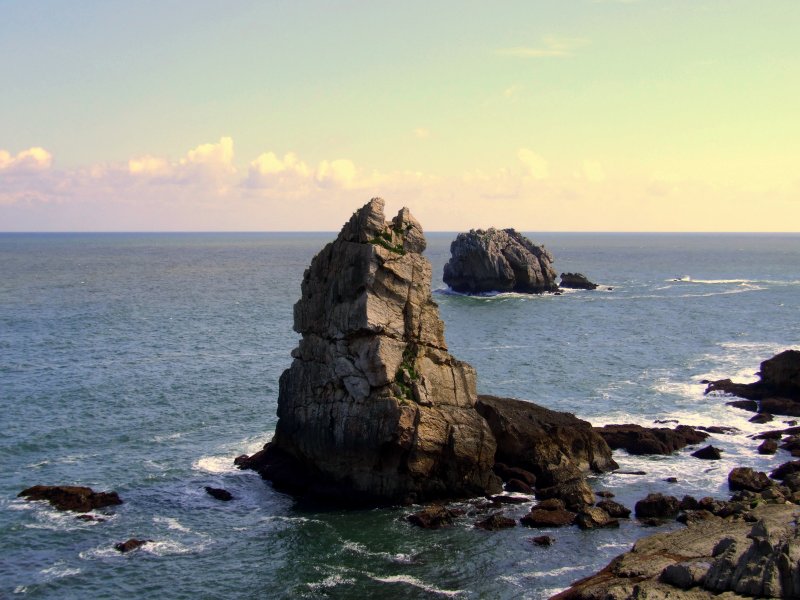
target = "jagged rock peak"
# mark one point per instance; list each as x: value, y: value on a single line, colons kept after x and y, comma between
x: 499, y: 260
x: 373, y: 407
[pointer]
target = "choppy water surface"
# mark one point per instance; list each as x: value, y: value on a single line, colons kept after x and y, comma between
x: 145, y: 363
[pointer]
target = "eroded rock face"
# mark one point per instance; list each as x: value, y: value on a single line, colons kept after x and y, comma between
x: 373, y: 408
x: 556, y: 447
x: 577, y: 281
x: 498, y: 260
x: 650, y: 440
x: 71, y: 497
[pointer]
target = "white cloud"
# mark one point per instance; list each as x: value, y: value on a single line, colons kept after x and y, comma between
x: 215, y: 155
x: 32, y: 159
x: 552, y: 47
x: 341, y: 173
x: 535, y: 165
x: 149, y: 165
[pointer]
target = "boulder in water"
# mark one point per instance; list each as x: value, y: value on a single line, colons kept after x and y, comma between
x: 577, y: 281
x: 498, y: 260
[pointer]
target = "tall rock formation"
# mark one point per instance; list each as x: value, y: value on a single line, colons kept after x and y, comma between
x: 501, y: 260
x: 373, y: 408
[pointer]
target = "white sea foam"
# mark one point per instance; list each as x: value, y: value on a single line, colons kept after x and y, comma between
x: 59, y: 570
x: 554, y: 572
x: 215, y: 464
x: 331, y: 581
x: 172, y: 523
x: 223, y: 462
x: 360, y: 549
x: 413, y: 581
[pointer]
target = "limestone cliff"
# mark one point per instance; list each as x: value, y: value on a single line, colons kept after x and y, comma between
x: 373, y: 408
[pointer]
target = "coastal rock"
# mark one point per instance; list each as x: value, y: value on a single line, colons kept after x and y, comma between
x: 768, y: 447
x: 71, y: 497
x: 219, y: 493
x: 614, y: 509
x: 556, y: 447
x: 778, y: 389
x: 507, y: 473
x: 745, y: 478
x: 711, y: 558
x: 498, y: 261
x: 577, y: 281
x: 433, y: 517
x: 786, y: 469
x: 595, y: 517
x: 496, y: 521
x: 131, y: 544
x: 373, y: 409
x: 543, y: 540
x: 548, y: 518
x: 657, y: 506
x: 708, y: 453
x: 639, y: 440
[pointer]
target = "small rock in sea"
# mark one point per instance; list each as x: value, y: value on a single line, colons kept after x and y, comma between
x: 577, y: 281
x: 219, y: 493
x: 610, y: 289
x: 129, y: 545
x: 786, y: 469
x: 71, y: 497
x: 614, y: 509
x: 90, y: 518
x: 719, y: 429
x: 671, y: 480
x: 761, y: 418
x: 595, y: 518
x: 663, y: 421
x: 630, y: 472
x: 604, y: 494
x: 748, y: 405
x: 708, y: 453
x: 495, y: 522
x: 657, y: 505
x: 509, y: 500
x: 791, y: 423
x: 551, y: 504
x: 515, y: 485
x: 543, y: 540
x: 768, y: 447
x: 548, y: 518
x: 745, y: 478
x: 433, y: 517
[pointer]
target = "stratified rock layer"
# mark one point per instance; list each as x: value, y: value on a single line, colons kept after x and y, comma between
x: 373, y: 408
x: 712, y: 558
x: 495, y: 260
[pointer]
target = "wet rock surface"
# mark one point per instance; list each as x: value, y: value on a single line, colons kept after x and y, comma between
x: 577, y: 281
x: 498, y: 260
x: 639, y: 440
x: 71, y: 497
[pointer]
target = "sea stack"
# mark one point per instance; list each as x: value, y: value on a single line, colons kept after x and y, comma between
x: 499, y: 260
x: 373, y: 409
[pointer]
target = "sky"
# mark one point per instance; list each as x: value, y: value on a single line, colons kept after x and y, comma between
x: 278, y: 115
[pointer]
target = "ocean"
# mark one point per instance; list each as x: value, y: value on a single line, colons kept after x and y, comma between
x: 145, y: 363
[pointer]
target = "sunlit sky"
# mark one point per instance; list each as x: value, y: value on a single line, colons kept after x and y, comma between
x: 582, y: 115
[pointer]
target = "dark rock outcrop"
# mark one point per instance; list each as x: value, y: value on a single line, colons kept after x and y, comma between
x: 708, y: 453
x: 548, y: 518
x: 745, y: 478
x: 778, y: 389
x: 71, y: 497
x: 614, y: 509
x: 219, y: 493
x: 658, y: 506
x: 556, y: 447
x: 496, y: 521
x: 595, y: 517
x: 639, y: 440
x: 768, y: 447
x: 577, y: 281
x: 498, y: 261
x: 433, y: 517
x: 131, y: 544
x: 543, y: 540
x: 373, y: 409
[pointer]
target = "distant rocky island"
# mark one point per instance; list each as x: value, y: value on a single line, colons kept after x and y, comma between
x: 374, y: 409
x: 504, y: 260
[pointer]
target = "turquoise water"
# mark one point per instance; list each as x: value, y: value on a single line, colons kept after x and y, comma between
x: 144, y: 363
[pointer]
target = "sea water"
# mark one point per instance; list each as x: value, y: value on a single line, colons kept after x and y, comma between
x: 144, y: 363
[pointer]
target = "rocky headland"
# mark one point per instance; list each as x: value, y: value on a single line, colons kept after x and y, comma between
x: 375, y: 410
x: 499, y: 260
x: 776, y: 392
